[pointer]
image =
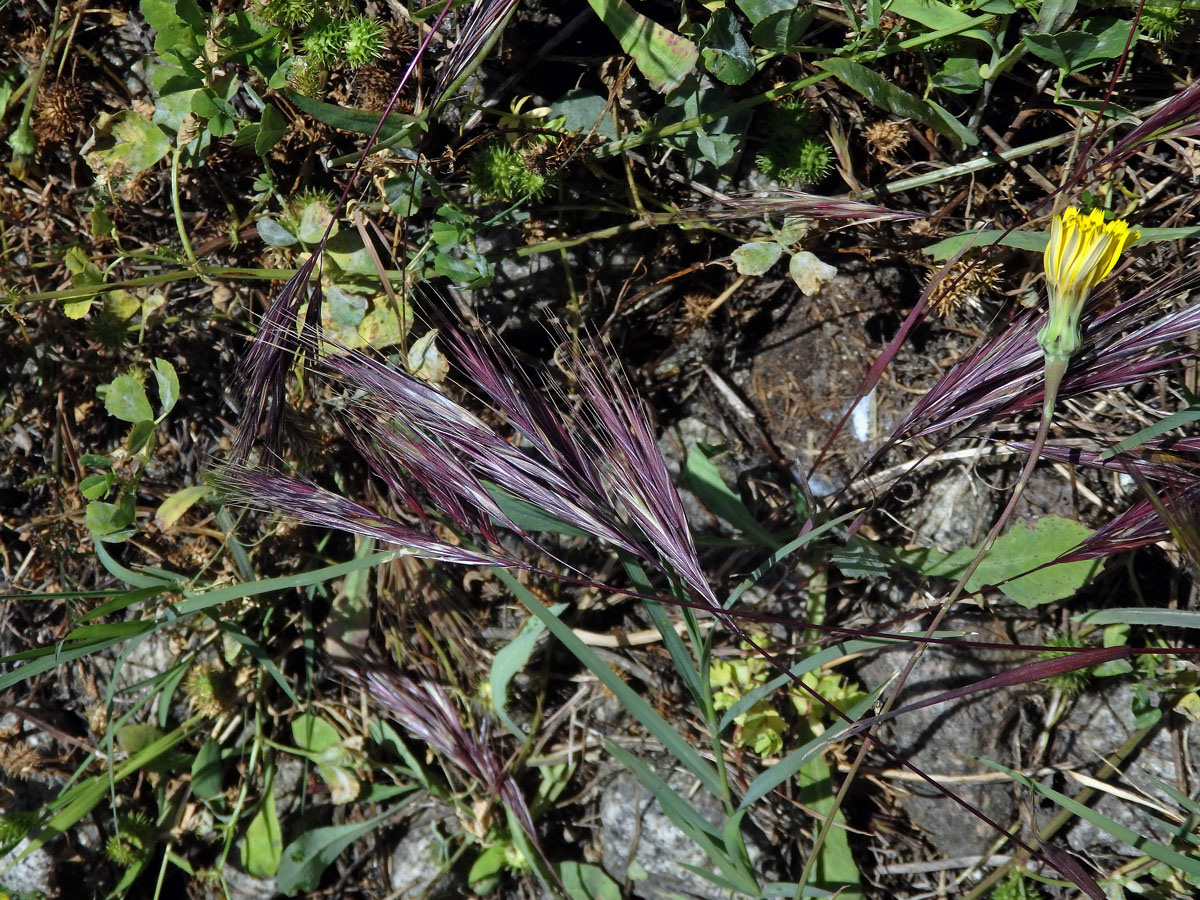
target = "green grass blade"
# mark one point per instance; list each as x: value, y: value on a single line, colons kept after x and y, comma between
x: 122, y: 601
x: 199, y: 600
x: 1177, y: 420
x: 702, y: 478
x: 129, y: 576
x: 42, y: 659
x: 685, y: 663
x: 260, y: 656
x: 709, y: 838
x: 794, y: 761
x: 808, y: 664
x: 508, y: 661
x: 781, y: 554
x: 84, y: 796
x: 1162, y: 618
x: 637, y: 707
x: 1141, y: 843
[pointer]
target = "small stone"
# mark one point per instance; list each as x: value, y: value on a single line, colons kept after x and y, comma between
x: 32, y: 875
x: 418, y: 864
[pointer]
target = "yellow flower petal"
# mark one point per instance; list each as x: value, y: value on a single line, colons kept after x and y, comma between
x: 1081, y: 253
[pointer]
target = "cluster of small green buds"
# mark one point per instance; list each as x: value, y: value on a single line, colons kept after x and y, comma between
x: 292, y: 13
x: 498, y: 172
x: 305, y: 76
x: 794, y: 151
x: 357, y: 41
x: 365, y: 41
x: 1070, y: 683
x: 1162, y: 22
x: 15, y: 826
x: 133, y: 840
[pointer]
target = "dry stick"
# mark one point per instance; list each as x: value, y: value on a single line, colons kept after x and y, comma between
x: 1054, y: 374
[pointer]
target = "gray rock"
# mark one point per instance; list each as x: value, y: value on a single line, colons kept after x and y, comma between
x: 638, y: 841
x: 243, y: 886
x: 954, y: 513
x: 418, y: 863
x: 150, y: 656
x: 943, y: 739
x: 34, y: 874
x: 1098, y: 725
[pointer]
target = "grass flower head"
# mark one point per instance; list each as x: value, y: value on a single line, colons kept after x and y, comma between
x: 1082, y: 252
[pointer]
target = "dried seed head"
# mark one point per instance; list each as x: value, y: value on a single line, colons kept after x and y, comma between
x: 375, y: 85
x: 29, y: 46
x: 136, y: 188
x: 211, y: 690
x: 97, y: 718
x: 19, y: 760
x: 962, y: 285
x: 886, y: 138
x: 59, y: 109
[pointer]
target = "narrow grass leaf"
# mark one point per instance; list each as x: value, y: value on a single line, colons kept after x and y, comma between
x: 358, y: 121
x: 169, y: 682
x: 529, y: 517
x: 1034, y: 241
x: 199, y: 600
x: 704, y: 480
x: 130, y: 577
x: 681, y: 657
x: 1136, y: 615
x: 260, y: 656
x: 689, y: 821
x: 103, y: 631
x: 781, y: 554
x: 122, y: 601
x: 685, y: 663
x: 1141, y: 843
x: 1161, y: 427
x: 794, y: 761
x: 1181, y: 798
x: 675, y: 743
x: 511, y: 659
x: 887, y: 96
x: 85, y: 795
x: 46, y: 658
x: 713, y: 877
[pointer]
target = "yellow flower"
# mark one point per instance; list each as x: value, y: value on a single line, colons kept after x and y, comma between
x: 1081, y: 253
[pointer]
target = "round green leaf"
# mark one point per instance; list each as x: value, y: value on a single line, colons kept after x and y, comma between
x: 756, y: 257
x: 126, y: 400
